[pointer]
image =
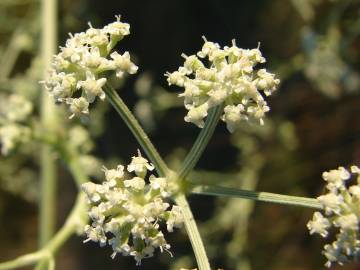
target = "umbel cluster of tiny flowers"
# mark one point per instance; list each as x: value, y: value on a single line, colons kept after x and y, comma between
x: 80, y: 64
x: 342, y: 210
x: 230, y: 78
x: 14, y: 112
x: 126, y: 212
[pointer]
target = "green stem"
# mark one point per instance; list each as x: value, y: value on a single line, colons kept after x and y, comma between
x: 48, y: 118
x: 76, y: 218
x: 257, y: 196
x: 152, y: 153
x: 25, y: 260
x: 193, y: 233
x: 136, y: 129
x: 201, y: 141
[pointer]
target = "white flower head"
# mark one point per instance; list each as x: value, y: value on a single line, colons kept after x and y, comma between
x: 81, y: 64
x: 126, y: 212
x: 342, y: 210
x: 231, y: 79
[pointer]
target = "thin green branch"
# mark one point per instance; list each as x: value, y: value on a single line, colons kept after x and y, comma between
x: 136, y: 129
x: 257, y: 196
x: 67, y: 154
x: 193, y: 233
x: 25, y: 260
x: 152, y: 153
x: 201, y: 141
x: 47, y: 207
x: 76, y: 218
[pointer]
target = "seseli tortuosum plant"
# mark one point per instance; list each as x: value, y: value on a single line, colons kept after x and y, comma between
x: 130, y: 208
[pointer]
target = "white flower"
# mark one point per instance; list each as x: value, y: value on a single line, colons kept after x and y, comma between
x: 176, y: 218
x: 135, y: 183
x: 159, y: 184
x: 208, y: 48
x: 78, y: 106
x: 334, y: 254
x: 92, y: 87
x: 230, y: 79
x: 319, y: 224
x: 114, y: 174
x: 331, y: 202
x: 177, y: 78
x: 267, y: 82
x: 348, y: 222
x: 95, y: 234
x: 118, y: 28
x: 197, y: 114
x: 233, y: 115
x: 90, y: 191
x: 336, y: 178
x: 139, y: 165
x: 92, y: 59
x: 123, y: 64
x: 355, y: 191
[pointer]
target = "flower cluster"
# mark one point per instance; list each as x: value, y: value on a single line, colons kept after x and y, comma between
x: 14, y: 111
x: 82, y: 61
x: 342, y: 210
x: 126, y: 212
x: 230, y: 78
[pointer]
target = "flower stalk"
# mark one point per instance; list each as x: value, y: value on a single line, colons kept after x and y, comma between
x: 256, y: 196
x: 44, y: 257
x: 76, y: 218
x: 136, y: 129
x: 201, y: 142
x: 48, y: 118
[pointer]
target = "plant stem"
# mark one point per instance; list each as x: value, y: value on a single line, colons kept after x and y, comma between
x: 48, y: 118
x: 152, y: 153
x: 193, y: 233
x: 201, y: 141
x: 77, y: 217
x: 256, y: 196
x: 136, y: 129
x: 22, y: 261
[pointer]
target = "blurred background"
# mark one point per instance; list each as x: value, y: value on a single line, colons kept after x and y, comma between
x: 313, y: 47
